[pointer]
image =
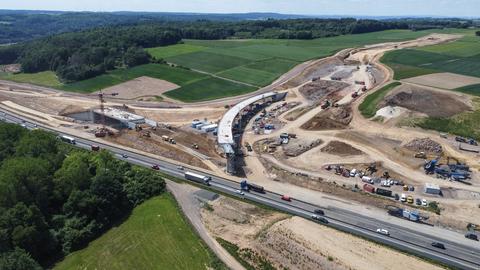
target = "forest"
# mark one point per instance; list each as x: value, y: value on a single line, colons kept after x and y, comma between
x: 55, y: 199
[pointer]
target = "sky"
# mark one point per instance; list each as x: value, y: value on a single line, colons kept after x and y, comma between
x: 449, y: 8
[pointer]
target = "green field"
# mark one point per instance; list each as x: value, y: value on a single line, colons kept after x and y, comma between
x: 251, y: 63
x: 462, y: 57
x: 46, y: 78
x: 368, y: 108
x: 155, y: 236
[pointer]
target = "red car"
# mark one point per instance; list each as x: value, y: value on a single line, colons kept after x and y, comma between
x: 155, y: 167
x: 286, y: 198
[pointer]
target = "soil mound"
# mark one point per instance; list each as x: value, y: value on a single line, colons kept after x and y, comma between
x: 341, y: 149
x: 320, y: 89
x: 333, y: 118
x: 431, y: 103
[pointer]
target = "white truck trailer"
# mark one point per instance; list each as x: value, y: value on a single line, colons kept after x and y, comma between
x: 198, y: 178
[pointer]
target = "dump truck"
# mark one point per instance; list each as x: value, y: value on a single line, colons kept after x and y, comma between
x: 165, y: 138
x: 195, y: 177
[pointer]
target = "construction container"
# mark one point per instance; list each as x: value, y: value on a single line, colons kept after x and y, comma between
x: 369, y: 188
x: 209, y: 128
x: 432, y: 189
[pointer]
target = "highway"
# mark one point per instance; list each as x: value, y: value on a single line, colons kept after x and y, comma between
x: 457, y: 255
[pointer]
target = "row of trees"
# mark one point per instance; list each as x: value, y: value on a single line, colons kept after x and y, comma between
x: 54, y: 199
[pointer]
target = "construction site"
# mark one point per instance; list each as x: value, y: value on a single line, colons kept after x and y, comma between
x: 305, y: 138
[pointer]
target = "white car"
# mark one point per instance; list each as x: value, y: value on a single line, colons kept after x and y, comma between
x: 383, y: 231
x: 403, y: 198
x: 238, y: 191
x: 424, y: 202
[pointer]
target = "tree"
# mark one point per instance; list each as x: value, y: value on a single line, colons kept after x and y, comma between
x: 18, y: 259
x: 26, y: 228
x: 75, y: 174
x: 26, y: 180
x: 135, y: 56
x: 142, y: 185
x: 477, y: 33
x: 9, y: 135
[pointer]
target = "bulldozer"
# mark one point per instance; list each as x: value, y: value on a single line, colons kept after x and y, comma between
x: 422, y: 155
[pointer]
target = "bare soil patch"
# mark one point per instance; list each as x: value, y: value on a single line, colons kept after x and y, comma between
x: 320, y: 89
x: 141, y: 87
x: 296, y: 113
x: 296, y: 243
x: 318, y: 70
x: 444, y: 80
x: 333, y: 118
x: 423, y: 100
x: 135, y: 140
x: 299, y: 146
x: 341, y: 149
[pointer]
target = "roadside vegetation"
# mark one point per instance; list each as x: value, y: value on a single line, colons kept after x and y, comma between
x: 461, y: 57
x: 368, y: 108
x: 248, y: 258
x: 155, y: 236
x: 55, y: 199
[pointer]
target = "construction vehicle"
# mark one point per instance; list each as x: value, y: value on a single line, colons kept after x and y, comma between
x: 198, y: 178
x: 360, y: 82
x: 325, y: 105
x: 422, y: 155
x: 195, y: 146
x: 165, y: 138
x: 354, y: 94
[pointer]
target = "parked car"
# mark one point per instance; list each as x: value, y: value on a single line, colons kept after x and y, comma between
x: 397, y: 197
x: 403, y: 198
x: 383, y: 231
x: 155, y: 167
x: 438, y: 245
x: 418, y: 201
x: 286, y: 198
x: 471, y: 236
x: 319, y: 212
x: 409, y: 199
x: 424, y: 203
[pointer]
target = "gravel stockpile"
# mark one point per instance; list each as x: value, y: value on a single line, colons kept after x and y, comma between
x: 425, y: 145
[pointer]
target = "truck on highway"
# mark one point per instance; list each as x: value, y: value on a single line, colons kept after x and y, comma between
x: 67, y: 139
x: 244, y: 185
x: 198, y: 178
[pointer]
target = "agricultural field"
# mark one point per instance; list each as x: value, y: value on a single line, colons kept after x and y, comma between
x: 212, y: 69
x: 473, y: 90
x: 461, y: 57
x: 157, y: 226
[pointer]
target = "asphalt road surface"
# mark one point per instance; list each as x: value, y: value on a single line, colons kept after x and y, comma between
x: 458, y: 255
